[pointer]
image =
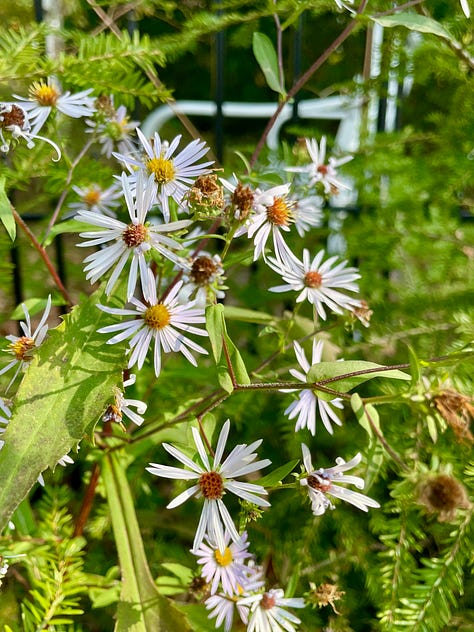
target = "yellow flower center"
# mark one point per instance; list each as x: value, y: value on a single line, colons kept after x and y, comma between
x: 91, y: 197
x: 44, y: 94
x: 223, y: 559
x: 279, y: 212
x: 157, y: 316
x: 134, y: 235
x: 211, y: 485
x: 313, y: 280
x: 162, y: 169
x: 20, y: 347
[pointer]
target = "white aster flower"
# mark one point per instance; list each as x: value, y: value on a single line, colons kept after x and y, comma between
x: 304, y: 408
x: 174, y: 175
x: 465, y: 7
x: 307, y: 213
x: 21, y: 346
x: 318, y: 282
x: 204, y: 281
x: 321, y: 482
x: 267, y: 613
x: 129, y: 240
x: 162, y: 321
x: 96, y: 199
x: 318, y: 170
x: 45, y: 97
x: 213, y: 481
x: 113, y: 128
x: 121, y: 407
x: 14, y: 124
x: 227, y: 568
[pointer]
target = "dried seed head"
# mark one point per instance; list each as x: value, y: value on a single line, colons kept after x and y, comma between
x: 443, y: 495
x: 242, y: 199
x: 457, y: 410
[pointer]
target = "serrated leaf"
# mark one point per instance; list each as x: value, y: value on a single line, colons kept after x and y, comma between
x: 266, y: 57
x: 64, y: 391
x: 274, y: 478
x: 414, y: 22
x: 6, y: 215
x: 352, y: 373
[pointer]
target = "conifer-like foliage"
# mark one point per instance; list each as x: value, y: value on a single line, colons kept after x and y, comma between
x: 309, y: 279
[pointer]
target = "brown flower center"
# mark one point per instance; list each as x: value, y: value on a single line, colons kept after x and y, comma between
x: 323, y: 169
x: 44, y: 94
x: 134, y: 235
x: 202, y: 270
x: 313, y: 279
x: 211, y: 485
x: 242, y: 198
x: 223, y: 559
x: 268, y: 601
x: 162, y: 169
x: 279, y: 213
x: 157, y: 316
x: 15, y: 117
x: 319, y: 483
x: 21, y: 347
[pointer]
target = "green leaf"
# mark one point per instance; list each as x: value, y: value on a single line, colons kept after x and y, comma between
x: 216, y: 328
x: 69, y: 226
x: 33, y: 305
x: 66, y: 388
x: 247, y: 315
x: 363, y: 413
x: 6, y: 214
x: 266, y: 57
x: 414, y: 22
x: 141, y: 607
x: 274, y: 478
x: 364, y: 371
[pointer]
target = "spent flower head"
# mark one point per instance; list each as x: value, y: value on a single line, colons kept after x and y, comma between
x: 204, y: 280
x: 122, y: 407
x: 15, y: 125
x: 321, y: 482
x: 161, y: 321
x: 113, y: 128
x: 214, y: 479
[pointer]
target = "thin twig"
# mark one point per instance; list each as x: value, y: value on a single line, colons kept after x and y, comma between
x: 43, y: 254
x: 299, y: 83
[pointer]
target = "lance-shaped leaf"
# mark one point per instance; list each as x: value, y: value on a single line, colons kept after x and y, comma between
x: 141, y: 607
x: 64, y: 391
x: 266, y: 56
x: 414, y: 22
x: 6, y: 215
x: 218, y: 335
x: 342, y: 376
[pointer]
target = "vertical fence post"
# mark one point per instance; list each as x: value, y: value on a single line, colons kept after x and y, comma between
x: 219, y: 94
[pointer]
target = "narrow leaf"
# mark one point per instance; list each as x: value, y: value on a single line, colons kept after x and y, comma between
x: 276, y: 477
x: 351, y: 373
x: 414, y: 22
x: 141, y: 607
x: 6, y: 215
x: 266, y: 57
